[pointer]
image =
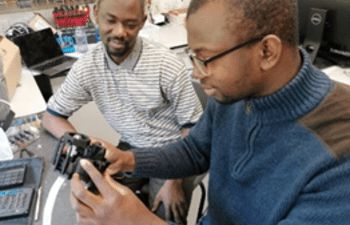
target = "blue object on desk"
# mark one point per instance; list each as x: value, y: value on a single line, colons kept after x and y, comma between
x: 66, y: 43
x: 97, y: 34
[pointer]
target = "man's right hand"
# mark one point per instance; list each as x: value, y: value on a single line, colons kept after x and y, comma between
x: 120, y: 161
x: 115, y: 205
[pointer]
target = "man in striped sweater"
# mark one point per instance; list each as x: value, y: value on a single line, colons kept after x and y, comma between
x: 275, y: 136
x: 143, y: 91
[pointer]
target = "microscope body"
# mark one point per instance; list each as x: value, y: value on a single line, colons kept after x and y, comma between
x: 71, y: 148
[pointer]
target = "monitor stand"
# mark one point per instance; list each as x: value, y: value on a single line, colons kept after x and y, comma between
x: 314, y: 32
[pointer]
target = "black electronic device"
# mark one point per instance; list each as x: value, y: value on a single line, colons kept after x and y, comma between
x: 12, y: 176
x: 41, y: 52
x: 324, y: 29
x: 70, y: 149
x: 15, y: 202
x: 6, y: 115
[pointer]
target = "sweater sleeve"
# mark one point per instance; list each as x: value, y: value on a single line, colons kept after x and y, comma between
x: 187, y: 157
x: 72, y: 94
x: 176, y: 86
x: 325, y: 199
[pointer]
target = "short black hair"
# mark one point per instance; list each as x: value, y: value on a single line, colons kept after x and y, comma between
x: 279, y: 17
x: 143, y: 4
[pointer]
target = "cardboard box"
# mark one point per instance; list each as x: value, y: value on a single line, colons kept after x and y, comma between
x: 177, y: 16
x: 38, y: 22
x: 11, y: 63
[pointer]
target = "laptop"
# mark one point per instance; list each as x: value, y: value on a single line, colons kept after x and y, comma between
x: 41, y: 52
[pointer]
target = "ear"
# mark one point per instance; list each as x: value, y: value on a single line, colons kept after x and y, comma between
x: 144, y: 20
x: 270, y: 51
x: 96, y: 13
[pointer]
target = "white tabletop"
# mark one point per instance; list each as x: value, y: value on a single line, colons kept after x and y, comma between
x: 171, y: 35
x: 339, y: 74
x: 28, y: 98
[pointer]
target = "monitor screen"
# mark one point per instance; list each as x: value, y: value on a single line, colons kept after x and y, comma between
x: 335, y: 37
x: 38, y: 46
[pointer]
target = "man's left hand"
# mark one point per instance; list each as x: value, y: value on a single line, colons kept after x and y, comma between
x: 172, y: 195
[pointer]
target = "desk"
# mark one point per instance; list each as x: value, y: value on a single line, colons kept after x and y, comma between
x: 62, y: 212
x: 165, y: 34
x: 28, y: 98
x: 339, y: 74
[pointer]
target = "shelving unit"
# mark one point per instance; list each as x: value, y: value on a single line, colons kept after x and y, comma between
x: 10, y: 6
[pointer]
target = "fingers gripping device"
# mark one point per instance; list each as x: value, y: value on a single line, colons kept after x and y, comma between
x: 75, y: 146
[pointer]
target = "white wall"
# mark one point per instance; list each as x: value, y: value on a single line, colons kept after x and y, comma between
x: 6, y: 20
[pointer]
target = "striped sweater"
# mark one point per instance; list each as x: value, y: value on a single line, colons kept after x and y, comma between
x: 147, y: 99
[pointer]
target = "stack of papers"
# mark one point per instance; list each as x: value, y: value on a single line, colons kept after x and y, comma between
x: 339, y: 74
x: 169, y: 35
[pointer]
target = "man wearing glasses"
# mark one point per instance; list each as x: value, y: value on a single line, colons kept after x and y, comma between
x: 275, y: 135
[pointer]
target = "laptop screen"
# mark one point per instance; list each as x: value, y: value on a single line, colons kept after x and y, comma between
x: 38, y: 46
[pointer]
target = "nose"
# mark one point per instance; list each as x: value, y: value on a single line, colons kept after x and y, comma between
x: 119, y: 30
x: 197, y: 74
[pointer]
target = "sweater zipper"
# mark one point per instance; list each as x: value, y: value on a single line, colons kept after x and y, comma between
x: 248, y: 108
x: 243, y: 160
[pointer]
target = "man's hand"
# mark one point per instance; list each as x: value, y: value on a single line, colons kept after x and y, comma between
x: 116, y: 204
x: 120, y: 161
x: 173, y: 198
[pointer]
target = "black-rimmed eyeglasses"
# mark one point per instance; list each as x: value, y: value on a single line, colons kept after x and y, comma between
x: 201, y: 64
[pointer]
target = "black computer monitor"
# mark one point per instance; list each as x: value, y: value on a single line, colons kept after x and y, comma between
x: 324, y: 27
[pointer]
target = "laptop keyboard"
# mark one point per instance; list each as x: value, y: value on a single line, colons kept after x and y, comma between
x: 12, y: 176
x: 53, y: 63
x: 15, y: 202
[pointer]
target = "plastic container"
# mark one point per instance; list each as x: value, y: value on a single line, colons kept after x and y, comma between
x: 81, y: 42
x: 97, y: 34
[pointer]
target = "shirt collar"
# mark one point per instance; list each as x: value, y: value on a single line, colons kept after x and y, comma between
x: 130, y: 62
x: 302, y: 94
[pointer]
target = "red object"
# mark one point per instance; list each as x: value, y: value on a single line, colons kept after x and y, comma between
x: 71, y: 17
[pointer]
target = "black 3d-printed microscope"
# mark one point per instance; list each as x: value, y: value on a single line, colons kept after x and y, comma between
x: 75, y: 146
